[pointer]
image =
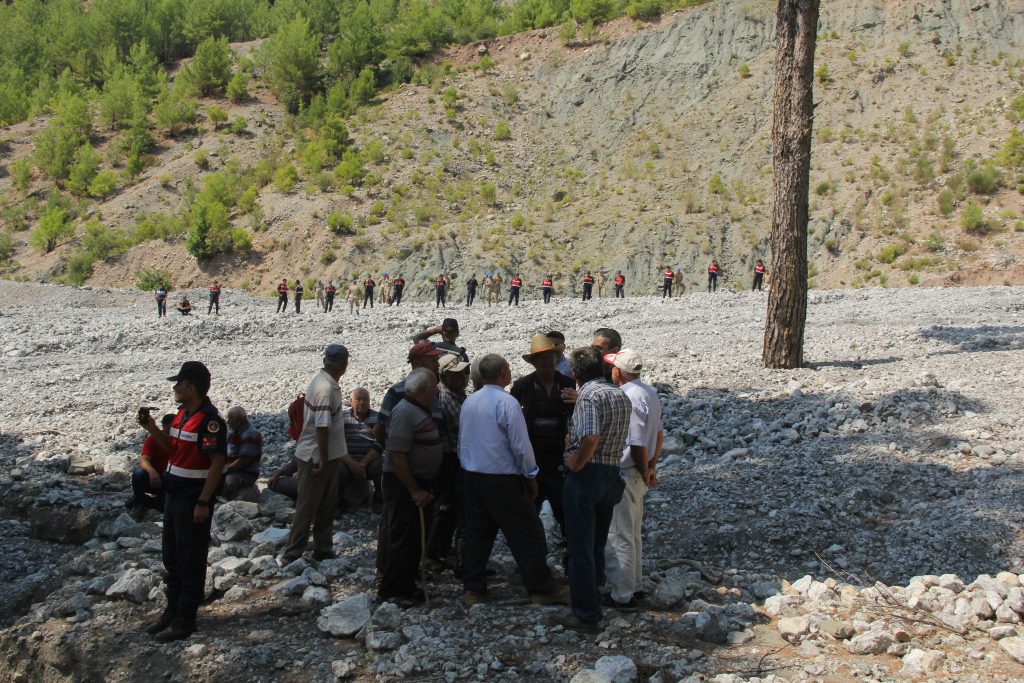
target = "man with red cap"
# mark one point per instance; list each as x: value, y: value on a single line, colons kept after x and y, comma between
x: 197, y: 444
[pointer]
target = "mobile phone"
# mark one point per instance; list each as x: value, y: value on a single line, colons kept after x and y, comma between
x: 144, y: 415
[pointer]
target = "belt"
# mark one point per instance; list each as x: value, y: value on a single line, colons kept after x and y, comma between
x: 188, y: 474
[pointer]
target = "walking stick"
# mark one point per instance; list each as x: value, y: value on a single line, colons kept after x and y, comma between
x: 423, y: 556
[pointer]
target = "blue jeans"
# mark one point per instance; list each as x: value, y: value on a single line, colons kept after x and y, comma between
x: 589, y: 499
x: 152, y: 498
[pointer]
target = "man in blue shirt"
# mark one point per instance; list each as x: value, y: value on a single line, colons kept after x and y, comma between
x: 500, y: 485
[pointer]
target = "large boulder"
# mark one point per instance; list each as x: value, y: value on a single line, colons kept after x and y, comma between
x: 346, y: 618
x: 230, y: 524
x: 64, y: 525
x: 134, y: 585
x: 272, y: 534
x: 618, y: 668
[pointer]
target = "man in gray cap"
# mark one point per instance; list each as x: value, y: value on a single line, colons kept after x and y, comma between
x: 320, y: 451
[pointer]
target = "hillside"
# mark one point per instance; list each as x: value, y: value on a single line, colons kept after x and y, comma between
x: 625, y: 147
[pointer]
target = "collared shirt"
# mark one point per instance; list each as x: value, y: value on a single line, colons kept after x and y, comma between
x: 451, y: 407
x: 563, y: 366
x: 359, y: 434
x: 644, y: 422
x: 412, y: 431
x: 493, y: 438
x: 323, y: 409
x: 601, y: 410
x: 248, y: 443
x: 394, y: 396
x: 547, y: 415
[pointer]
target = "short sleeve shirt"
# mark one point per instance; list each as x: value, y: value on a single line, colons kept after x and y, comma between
x: 157, y: 456
x: 601, y: 410
x: 246, y: 444
x: 412, y: 431
x: 359, y: 434
x: 323, y: 409
x: 644, y: 421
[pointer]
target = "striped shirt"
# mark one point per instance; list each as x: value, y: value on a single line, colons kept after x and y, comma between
x: 451, y: 407
x: 248, y: 444
x: 359, y: 434
x: 412, y: 431
x: 601, y: 410
x: 323, y: 409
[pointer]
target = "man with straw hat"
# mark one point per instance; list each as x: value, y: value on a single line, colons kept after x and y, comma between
x: 547, y: 398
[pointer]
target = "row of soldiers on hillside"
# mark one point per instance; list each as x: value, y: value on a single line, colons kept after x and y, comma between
x: 389, y: 290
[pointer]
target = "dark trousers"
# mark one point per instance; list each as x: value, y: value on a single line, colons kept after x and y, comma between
x: 298, y: 303
x: 447, y: 509
x: 286, y: 486
x: 185, y: 545
x: 588, y: 292
x: 470, y: 295
x: 712, y: 282
x: 161, y: 308
x: 590, y: 497
x: 550, y: 487
x: 329, y: 303
x: 396, y: 295
x: 547, y: 295
x: 439, y: 296
x: 513, y: 293
x: 368, y: 296
x: 667, y: 289
x: 234, y: 482
x: 214, y: 303
x: 152, y: 498
x: 758, y: 281
x: 619, y: 294
x: 398, y: 549
x: 502, y: 502
x: 282, y: 302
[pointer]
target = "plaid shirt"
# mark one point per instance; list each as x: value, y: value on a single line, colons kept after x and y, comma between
x: 451, y: 407
x: 602, y: 410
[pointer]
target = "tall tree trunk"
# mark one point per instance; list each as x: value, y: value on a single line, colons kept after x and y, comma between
x: 796, y: 36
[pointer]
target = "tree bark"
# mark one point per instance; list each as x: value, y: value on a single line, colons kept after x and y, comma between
x: 797, y: 28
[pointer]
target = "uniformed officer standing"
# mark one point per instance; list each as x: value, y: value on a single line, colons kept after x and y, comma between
x: 329, y: 293
x: 620, y: 282
x: 759, y: 271
x: 397, y: 287
x: 298, y: 296
x: 588, y: 286
x: 282, y: 296
x: 440, y: 291
x: 197, y: 444
x: 214, y: 298
x: 668, y: 277
x: 513, y: 289
x: 547, y: 286
x: 161, y: 301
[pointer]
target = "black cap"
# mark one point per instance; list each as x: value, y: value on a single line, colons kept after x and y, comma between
x: 193, y: 371
x: 450, y: 324
x: 336, y: 353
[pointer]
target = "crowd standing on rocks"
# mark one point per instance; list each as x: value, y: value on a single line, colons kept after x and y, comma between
x: 857, y: 519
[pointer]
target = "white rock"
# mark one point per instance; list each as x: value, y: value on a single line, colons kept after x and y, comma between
x: 920, y: 662
x: 346, y: 618
x: 870, y: 643
x: 794, y: 628
x: 590, y: 676
x: 272, y: 534
x: 618, y: 668
x: 134, y: 585
x: 1013, y: 647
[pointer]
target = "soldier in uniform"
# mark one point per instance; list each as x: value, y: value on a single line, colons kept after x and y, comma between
x: 298, y: 296
x: 329, y: 293
x: 588, y: 286
x: 197, y: 444
x: 214, y: 298
x: 398, y: 286
x: 282, y: 296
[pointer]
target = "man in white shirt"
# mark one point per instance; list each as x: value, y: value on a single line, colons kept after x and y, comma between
x: 500, y: 485
x: 319, y: 452
x: 624, y: 550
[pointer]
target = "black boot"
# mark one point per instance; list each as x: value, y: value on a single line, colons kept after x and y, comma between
x: 163, y: 622
x: 180, y: 629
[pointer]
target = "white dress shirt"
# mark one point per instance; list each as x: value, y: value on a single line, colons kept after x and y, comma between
x: 492, y: 435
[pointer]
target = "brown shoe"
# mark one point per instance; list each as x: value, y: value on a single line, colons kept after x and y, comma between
x: 470, y: 598
x: 559, y: 595
x: 571, y: 621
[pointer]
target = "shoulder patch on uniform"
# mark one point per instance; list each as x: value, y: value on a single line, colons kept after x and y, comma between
x: 213, y: 426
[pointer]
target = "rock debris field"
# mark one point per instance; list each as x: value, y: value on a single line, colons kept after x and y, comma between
x: 856, y: 520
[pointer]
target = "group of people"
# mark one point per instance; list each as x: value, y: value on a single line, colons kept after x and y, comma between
x: 447, y: 471
x: 389, y: 290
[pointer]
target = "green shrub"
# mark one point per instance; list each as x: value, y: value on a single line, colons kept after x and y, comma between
x: 103, y: 185
x: 148, y: 279
x: 210, y: 68
x: 238, y: 88
x: 717, y: 186
x: 350, y: 170
x: 914, y: 279
x: 947, y: 202
x: 1011, y: 156
x: 56, y: 146
x: 175, y: 111
x: 973, y: 221
x: 982, y: 181
x: 85, y: 168
x: 239, y: 125
x: 891, y: 253
x: 285, y: 177
x: 592, y: 10
x: 21, y: 173
x: 489, y: 194
x: 967, y: 245
x: 6, y: 247
x: 209, y: 231
x: 201, y: 159
x: 54, y: 226
x: 291, y: 59
x: 744, y: 71
x: 340, y: 223
x: 904, y: 48
x: 241, y: 240
x: 822, y: 74
x: 502, y: 131
x: 644, y: 10
x: 122, y: 100
x: 217, y: 116
x: 826, y: 188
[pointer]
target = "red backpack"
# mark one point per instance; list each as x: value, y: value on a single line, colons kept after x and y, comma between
x: 296, y: 416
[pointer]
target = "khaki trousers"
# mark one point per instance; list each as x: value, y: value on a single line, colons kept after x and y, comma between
x: 315, y: 506
x: 624, y: 551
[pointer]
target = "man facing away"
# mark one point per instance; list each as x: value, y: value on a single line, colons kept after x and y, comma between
x: 500, y: 485
x: 320, y: 449
x: 624, y: 551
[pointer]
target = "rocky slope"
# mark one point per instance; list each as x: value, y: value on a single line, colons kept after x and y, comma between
x: 641, y: 145
x: 858, y: 519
